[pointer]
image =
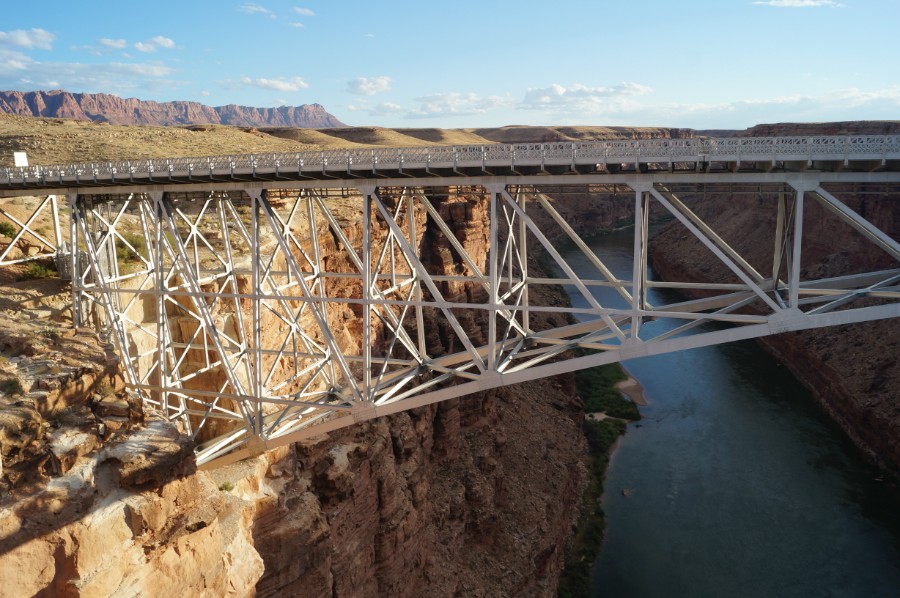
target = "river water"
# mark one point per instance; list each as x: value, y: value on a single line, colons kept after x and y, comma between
x: 735, y: 483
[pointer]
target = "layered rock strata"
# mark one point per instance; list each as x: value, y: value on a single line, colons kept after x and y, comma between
x: 101, y: 107
x: 473, y: 496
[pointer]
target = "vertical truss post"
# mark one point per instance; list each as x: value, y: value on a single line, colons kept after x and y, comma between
x: 493, y: 278
x: 794, y: 277
x: 57, y: 232
x: 523, y: 261
x: 162, y: 338
x: 778, y: 250
x: 417, y: 294
x: 74, y: 265
x: 256, y: 321
x: 639, y: 257
x: 367, y: 192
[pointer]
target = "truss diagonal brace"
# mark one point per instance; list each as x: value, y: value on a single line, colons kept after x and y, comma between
x: 860, y: 224
x: 712, y: 246
x: 423, y: 274
x: 535, y: 229
x: 320, y: 319
x: 164, y: 208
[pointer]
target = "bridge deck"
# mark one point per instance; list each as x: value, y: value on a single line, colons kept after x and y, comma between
x: 232, y: 318
x: 752, y: 154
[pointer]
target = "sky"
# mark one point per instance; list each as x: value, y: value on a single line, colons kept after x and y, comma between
x: 462, y: 63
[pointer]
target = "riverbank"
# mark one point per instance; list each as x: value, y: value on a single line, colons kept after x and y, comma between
x: 633, y: 389
x: 604, y: 386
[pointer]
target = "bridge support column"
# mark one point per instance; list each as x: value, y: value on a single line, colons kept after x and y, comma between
x: 639, y: 256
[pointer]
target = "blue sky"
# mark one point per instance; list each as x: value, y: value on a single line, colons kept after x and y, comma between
x: 463, y: 63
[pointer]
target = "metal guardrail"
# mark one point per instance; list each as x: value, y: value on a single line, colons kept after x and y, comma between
x: 853, y: 147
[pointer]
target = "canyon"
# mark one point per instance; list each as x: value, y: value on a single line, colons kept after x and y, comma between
x: 473, y: 496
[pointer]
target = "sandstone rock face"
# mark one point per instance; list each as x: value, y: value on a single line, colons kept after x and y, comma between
x: 101, y: 107
x: 125, y: 522
x: 94, y: 499
x: 474, y: 496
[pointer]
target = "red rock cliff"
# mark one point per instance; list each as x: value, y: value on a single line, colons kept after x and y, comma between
x: 473, y: 496
x: 103, y: 107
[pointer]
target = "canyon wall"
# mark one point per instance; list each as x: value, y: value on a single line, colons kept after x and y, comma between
x: 472, y: 496
x: 101, y: 107
x: 852, y: 370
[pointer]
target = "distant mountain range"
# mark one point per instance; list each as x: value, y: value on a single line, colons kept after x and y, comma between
x: 101, y: 107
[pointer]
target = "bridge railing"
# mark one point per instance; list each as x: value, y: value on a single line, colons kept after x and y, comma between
x: 853, y: 147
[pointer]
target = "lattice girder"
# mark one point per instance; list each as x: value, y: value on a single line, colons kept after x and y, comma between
x: 256, y: 316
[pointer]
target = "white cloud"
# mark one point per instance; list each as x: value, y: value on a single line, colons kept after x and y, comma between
x: 204, y: 93
x: 12, y: 62
x: 386, y: 108
x: 256, y: 9
x: 383, y: 109
x: 116, y: 44
x: 582, y: 100
x: 18, y: 71
x: 154, y: 44
x: 456, y: 104
x: 799, y: 3
x: 837, y: 105
x: 277, y: 84
x: 304, y: 11
x: 297, y: 24
x: 32, y: 38
x: 369, y: 86
x: 163, y: 42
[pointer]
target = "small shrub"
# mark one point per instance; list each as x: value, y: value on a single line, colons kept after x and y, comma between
x: 11, y: 387
x: 36, y: 270
x: 597, y: 387
x: 7, y: 229
x: 104, y: 389
x: 125, y: 253
x: 50, y: 333
x: 226, y: 487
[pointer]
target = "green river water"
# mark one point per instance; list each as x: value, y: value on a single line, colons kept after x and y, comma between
x: 735, y: 484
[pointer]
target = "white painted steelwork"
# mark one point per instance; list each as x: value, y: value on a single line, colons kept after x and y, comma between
x: 867, y: 152
x: 32, y: 241
x: 267, y: 300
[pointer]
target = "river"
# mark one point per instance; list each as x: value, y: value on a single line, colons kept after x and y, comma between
x: 735, y: 483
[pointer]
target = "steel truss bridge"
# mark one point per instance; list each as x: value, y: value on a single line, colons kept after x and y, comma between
x: 259, y: 300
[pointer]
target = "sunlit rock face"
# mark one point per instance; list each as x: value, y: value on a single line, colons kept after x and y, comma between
x: 474, y: 496
x: 101, y: 107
